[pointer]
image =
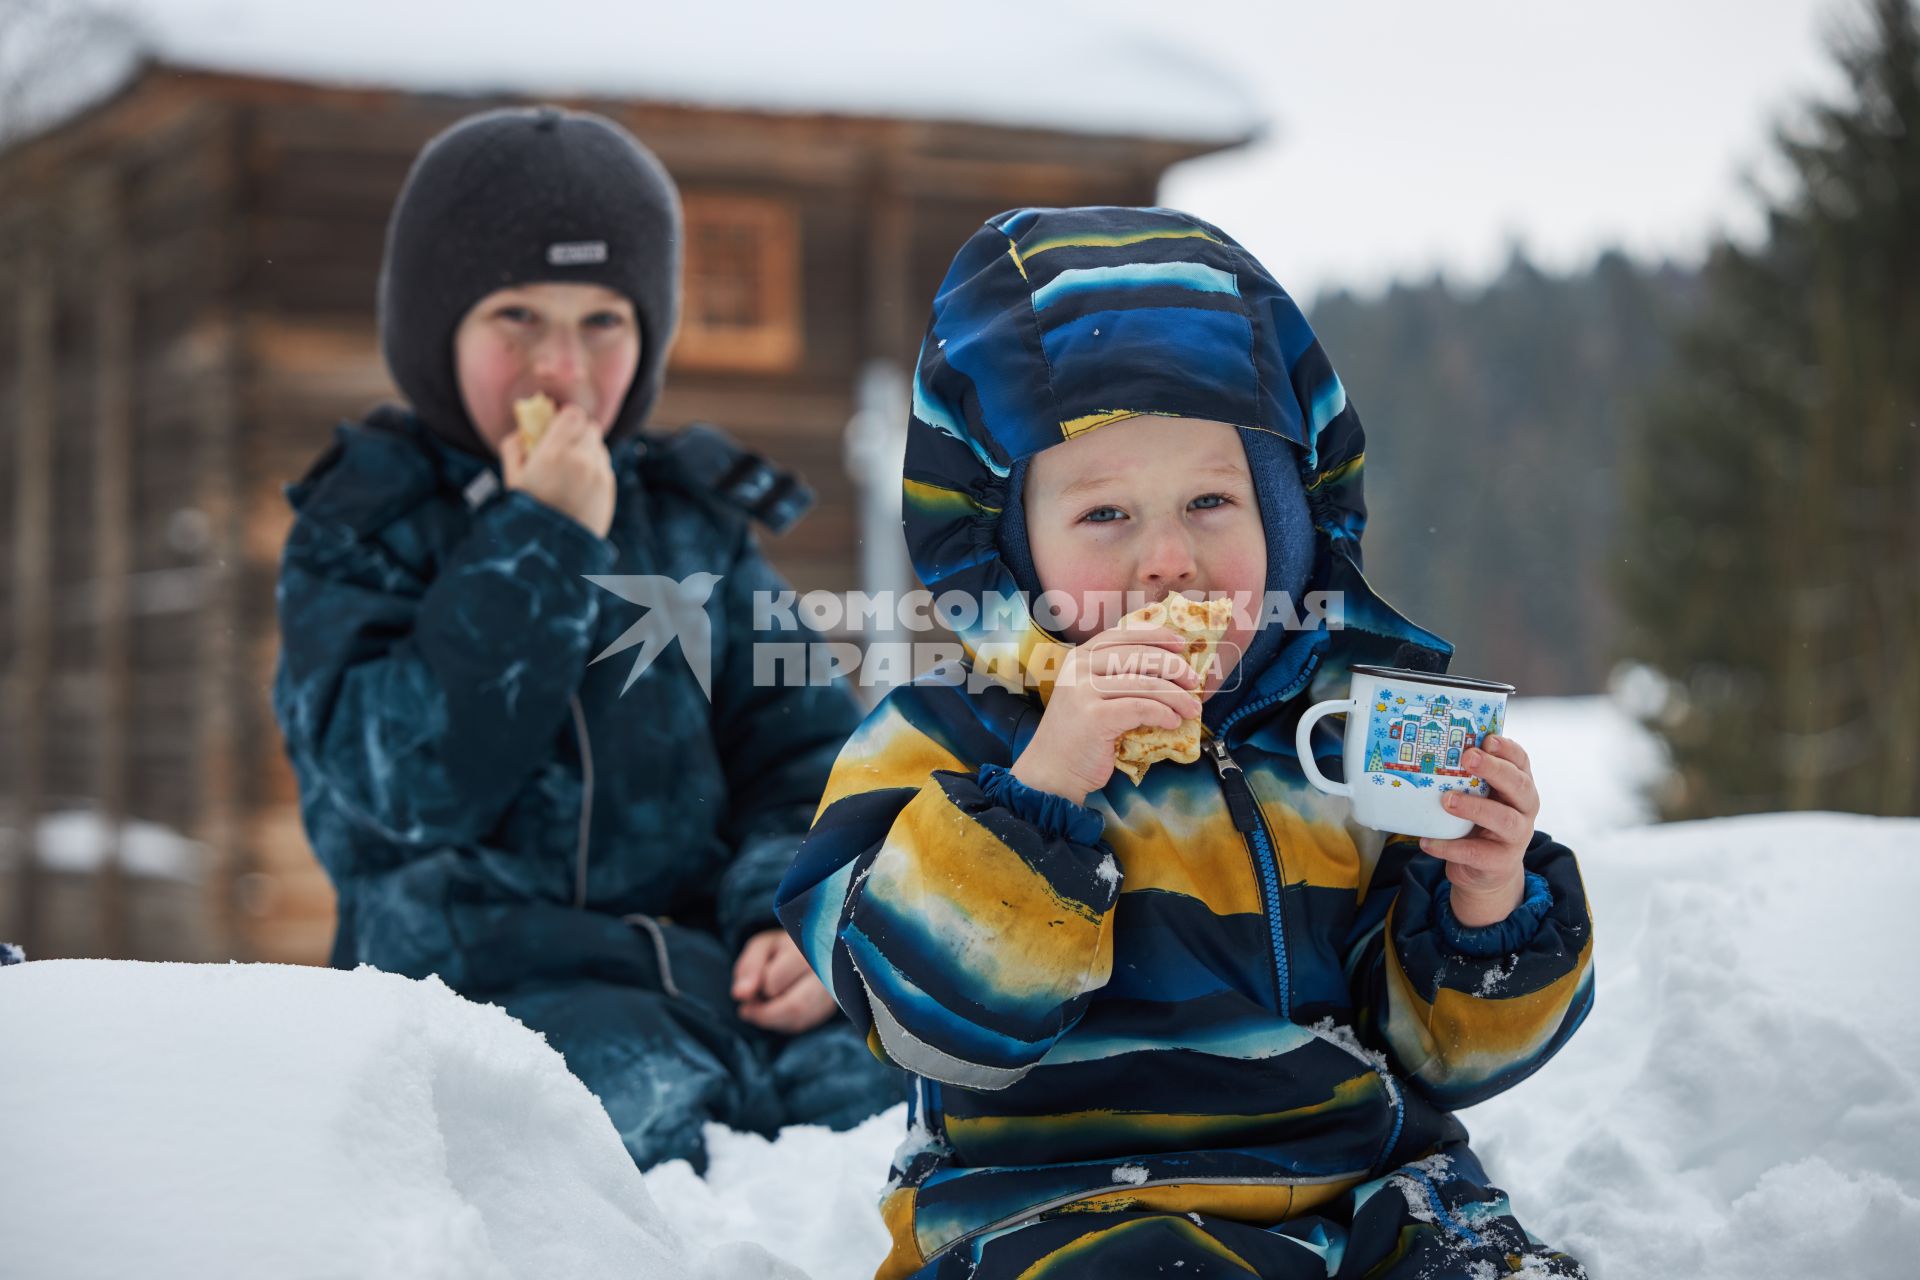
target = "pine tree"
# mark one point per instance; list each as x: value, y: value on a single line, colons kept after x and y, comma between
x: 1773, y: 568
x: 1496, y: 423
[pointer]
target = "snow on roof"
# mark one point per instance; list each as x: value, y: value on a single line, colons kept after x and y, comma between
x: 995, y: 61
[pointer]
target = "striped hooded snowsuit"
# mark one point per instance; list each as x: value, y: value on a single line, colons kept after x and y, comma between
x: 1205, y: 1021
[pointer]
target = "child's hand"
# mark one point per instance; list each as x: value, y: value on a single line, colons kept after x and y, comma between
x: 776, y: 989
x: 569, y: 470
x: 1484, y: 865
x: 1103, y: 691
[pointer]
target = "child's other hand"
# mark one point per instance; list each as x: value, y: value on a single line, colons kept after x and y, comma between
x: 1485, y: 864
x: 570, y: 469
x: 776, y: 989
x: 1104, y: 689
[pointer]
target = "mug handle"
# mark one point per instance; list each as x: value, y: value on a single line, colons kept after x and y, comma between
x: 1303, y: 745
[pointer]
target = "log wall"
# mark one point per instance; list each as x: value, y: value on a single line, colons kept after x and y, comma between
x: 114, y: 368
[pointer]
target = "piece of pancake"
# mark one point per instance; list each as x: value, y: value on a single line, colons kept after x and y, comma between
x: 1201, y: 623
x: 534, y: 415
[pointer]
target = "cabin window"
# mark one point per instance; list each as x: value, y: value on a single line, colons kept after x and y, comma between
x: 742, y: 303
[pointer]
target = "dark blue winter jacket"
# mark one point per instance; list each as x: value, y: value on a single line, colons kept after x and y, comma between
x: 493, y: 805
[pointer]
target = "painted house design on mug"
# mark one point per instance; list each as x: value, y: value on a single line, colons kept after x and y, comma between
x: 1417, y: 740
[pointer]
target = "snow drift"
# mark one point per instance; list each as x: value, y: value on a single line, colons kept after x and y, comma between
x: 247, y: 1120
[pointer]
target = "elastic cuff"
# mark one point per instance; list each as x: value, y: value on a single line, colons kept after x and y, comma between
x: 1501, y: 938
x: 1053, y: 815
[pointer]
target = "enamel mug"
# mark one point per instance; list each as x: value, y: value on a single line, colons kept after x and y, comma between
x: 1407, y: 732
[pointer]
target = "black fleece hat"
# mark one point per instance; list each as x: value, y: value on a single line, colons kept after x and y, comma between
x: 525, y: 196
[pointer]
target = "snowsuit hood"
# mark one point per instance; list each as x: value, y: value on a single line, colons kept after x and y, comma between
x: 1054, y: 322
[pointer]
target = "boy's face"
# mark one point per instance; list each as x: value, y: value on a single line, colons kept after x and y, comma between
x: 1154, y: 507
x: 579, y: 343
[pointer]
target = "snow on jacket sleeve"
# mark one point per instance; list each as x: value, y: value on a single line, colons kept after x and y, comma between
x: 1465, y: 1014
x: 778, y: 734
x: 423, y: 706
x: 960, y: 918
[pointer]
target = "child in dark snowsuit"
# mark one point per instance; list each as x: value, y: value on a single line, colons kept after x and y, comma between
x: 492, y: 804
x: 1204, y: 1022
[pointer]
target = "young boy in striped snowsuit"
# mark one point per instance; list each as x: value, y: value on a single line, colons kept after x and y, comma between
x: 1205, y: 1021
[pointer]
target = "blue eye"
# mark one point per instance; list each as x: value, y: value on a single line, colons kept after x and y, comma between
x: 1104, y: 515
x: 606, y: 320
x: 1207, y: 502
x: 518, y: 315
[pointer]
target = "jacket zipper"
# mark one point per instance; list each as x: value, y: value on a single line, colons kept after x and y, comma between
x: 638, y: 919
x: 586, y: 802
x: 1247, y: 821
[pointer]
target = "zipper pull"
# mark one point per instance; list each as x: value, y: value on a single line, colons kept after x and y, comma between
x: 1240, y: 802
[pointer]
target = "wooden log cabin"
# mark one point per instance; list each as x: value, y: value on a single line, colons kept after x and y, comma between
x: 187, y: 276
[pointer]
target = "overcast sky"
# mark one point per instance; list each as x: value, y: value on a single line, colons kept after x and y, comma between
x: 1410, y: 134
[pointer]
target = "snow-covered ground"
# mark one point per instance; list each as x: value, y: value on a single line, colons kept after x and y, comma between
x: 1740, y: 1106
x: 172, y: 1120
